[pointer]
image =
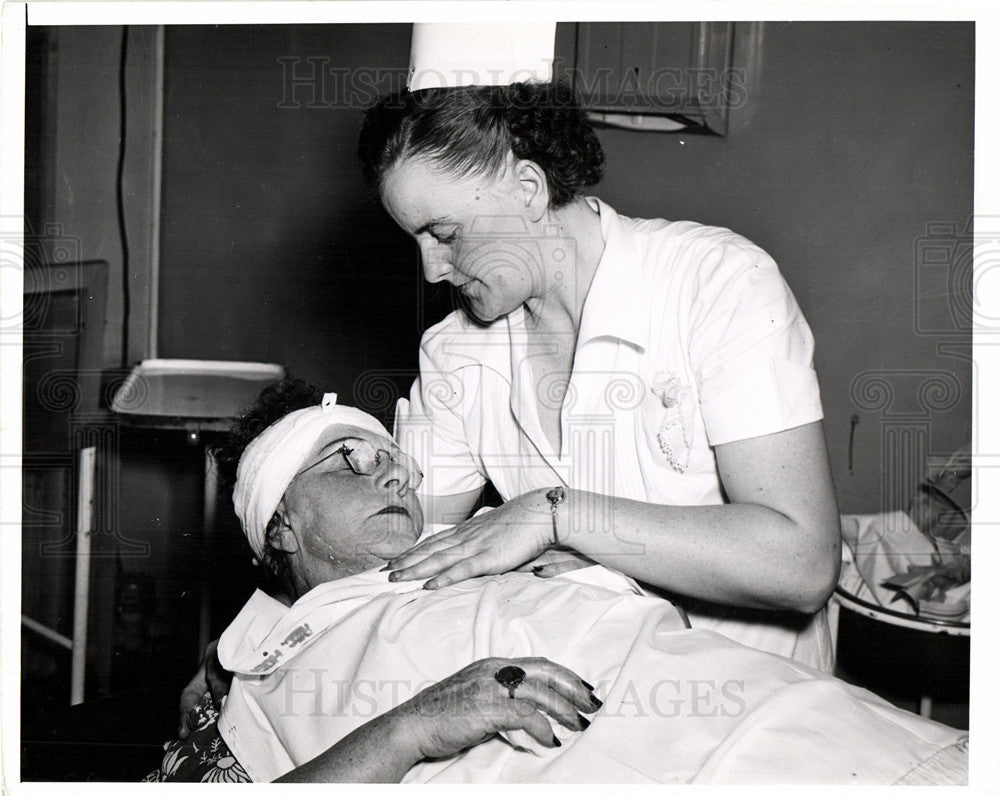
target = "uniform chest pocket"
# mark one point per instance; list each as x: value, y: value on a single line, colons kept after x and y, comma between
x: 668, y: 417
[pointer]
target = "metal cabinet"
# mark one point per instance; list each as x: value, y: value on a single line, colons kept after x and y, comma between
x: 661, y: 76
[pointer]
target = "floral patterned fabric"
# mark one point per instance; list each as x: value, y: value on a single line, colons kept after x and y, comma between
x: 203, y: 756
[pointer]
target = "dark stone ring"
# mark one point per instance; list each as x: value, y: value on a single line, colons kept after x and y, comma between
x: 510, y: 677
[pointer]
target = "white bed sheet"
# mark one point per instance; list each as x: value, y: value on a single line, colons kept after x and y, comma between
x: 680, y: 705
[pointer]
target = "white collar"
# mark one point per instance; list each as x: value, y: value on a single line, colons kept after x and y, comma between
x: 616, y: 306
x: 267, y: 634
x: 616, y: 301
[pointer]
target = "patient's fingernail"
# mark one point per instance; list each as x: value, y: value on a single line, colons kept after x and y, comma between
x: 587, y: 685
x: 386, y: 568
x: 584, y: 723
x: 596, y: 702
x: 393, y: 576
x: 431, y: 584
x: 537, y: 569
x: 556, y: 741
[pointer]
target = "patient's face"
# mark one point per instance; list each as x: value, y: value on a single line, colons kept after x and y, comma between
x: 347, y: 521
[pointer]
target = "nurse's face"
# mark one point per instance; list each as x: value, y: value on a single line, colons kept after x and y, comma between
x: 472, y: 232
x: 345, y: 521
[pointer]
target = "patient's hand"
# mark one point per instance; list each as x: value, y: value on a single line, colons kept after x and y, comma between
x: 210, y: 677
x: 448, y: 717
x: 471, y: 706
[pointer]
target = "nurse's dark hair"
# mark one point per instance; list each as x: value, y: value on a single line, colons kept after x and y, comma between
x: 471, y: 130
x: 272, y: 404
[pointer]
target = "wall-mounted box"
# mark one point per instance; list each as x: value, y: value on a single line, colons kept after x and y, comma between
x: 658, y: 75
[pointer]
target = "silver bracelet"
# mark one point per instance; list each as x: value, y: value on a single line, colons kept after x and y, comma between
x: 555, y: 496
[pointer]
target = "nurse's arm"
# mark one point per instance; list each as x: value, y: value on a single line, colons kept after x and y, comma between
x: 776, y: 544
x: 449, y: 509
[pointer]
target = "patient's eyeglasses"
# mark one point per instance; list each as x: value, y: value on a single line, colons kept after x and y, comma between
x: 365, y: 459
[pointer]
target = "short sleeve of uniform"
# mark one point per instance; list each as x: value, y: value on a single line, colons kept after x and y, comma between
x: 750, y: 346
x: 431, y: 425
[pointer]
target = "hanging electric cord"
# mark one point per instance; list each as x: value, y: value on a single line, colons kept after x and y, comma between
x: 123, y: 233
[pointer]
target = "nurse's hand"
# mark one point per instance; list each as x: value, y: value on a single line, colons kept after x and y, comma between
x: 556, y: 561
x: 488, y: 544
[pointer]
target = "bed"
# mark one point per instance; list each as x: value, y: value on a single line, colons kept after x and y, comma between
x: 680, y: 705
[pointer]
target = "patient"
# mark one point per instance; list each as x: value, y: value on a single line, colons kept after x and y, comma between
x: 312, y: 520
x: 339, y: 653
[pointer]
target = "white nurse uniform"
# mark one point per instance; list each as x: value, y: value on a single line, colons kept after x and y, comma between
x: 689, y: 338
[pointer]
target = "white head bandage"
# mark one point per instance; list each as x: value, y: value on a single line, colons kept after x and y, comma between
x: 448, y: 55
x: 271, y: 462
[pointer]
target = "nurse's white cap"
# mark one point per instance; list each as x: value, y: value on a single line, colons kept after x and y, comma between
x: 447, y: 55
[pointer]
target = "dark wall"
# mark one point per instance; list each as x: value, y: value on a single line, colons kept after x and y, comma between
x: 854, y: 137
x: 72, y: 135
x: 272, y: 249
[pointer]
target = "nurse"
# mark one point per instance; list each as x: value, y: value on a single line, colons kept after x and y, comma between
x: 640, y: 392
